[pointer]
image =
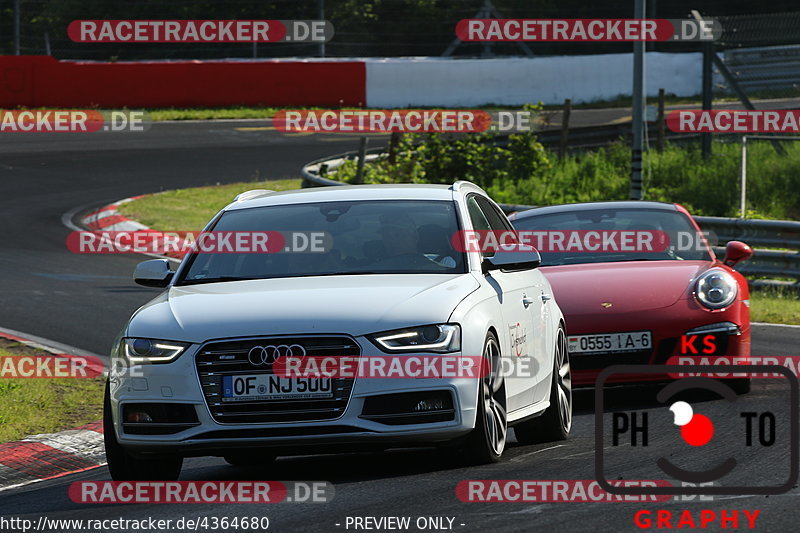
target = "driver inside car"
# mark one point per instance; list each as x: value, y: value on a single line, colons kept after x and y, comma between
x: 401, y: 237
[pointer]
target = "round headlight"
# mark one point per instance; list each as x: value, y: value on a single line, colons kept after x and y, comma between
x: 141, y: 346
x: 431, y: 334
x: 716, y: 289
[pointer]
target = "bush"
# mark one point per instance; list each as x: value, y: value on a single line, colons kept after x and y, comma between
x: 437, y: 158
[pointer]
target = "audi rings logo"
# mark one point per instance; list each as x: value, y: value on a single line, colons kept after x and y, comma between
x: 267, y: 355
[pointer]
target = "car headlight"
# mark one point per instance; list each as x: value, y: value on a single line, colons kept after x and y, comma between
x: 140, y: 351
x: 715, y: 289
x: 439, y: 338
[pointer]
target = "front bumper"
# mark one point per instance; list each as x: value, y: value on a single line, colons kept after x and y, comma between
x: 668, y: 327
x: 178, y: 382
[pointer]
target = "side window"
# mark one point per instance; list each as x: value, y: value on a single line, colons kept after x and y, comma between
x: 478, y: 219
x: 497, y: 220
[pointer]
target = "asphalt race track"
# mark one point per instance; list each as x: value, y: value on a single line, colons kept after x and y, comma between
x: 83, y: 301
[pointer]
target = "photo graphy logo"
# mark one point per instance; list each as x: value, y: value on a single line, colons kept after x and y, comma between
x: 699, y: 431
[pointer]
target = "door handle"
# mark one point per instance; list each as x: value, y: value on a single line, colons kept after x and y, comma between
x: 546, y: 297
x: 526, y: 301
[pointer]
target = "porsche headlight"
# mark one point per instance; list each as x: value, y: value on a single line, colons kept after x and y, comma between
x: 715, y: 289
x: 440, y: 338
x: 140, y: 351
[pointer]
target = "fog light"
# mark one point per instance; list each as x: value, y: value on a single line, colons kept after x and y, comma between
x: 429, y: 405
x: 422, y: 407
x: 138, y: 416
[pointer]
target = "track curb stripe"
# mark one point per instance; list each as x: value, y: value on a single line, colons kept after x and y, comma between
x: 50, y: 455
x: 109, y: 215
x: 108, y: 218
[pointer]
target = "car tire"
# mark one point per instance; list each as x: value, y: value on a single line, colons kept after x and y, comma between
x: 556, y: 422
x: 739, y: 386
x: 488, y: 440
x: 125, y: 467
x: 249, y: 459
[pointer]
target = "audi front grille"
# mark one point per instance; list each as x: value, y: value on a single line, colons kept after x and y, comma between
x: 218, y: 359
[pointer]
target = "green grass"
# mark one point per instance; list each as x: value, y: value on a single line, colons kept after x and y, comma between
x: 775, y: 306
x: 239, y: 112
x: 201, y: 113
x: 191, y: 209
x: 42, y: 405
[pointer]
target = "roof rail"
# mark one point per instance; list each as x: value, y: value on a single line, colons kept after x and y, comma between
x: 249, y: 195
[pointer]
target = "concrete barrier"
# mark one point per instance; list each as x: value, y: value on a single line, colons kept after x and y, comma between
x: 402, y: 82
x: 33, y: 81
x: 386, y: 83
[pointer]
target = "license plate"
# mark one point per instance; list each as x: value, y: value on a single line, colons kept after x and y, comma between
x: 628, y: 341
x: 270, y: 387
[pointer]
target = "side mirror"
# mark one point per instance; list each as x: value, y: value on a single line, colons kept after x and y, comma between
x: 736, y: 252
x: 513, y: 257
x: 153, y: 273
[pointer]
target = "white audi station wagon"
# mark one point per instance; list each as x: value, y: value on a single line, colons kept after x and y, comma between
x: 194, y: 370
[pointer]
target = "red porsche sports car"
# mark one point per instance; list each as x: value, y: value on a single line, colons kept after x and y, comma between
x: 638, y: 283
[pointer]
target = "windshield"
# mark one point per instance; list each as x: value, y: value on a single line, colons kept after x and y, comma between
x: 671, y: 234
x: 357, y: 237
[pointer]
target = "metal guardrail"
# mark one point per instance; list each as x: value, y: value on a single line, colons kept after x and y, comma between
x: 783, y: 234
x: 314, y: 172
x: 770, y: 233
x: 597, y: 136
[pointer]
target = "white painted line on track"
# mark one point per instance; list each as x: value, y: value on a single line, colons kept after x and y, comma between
x: 526, y: 455
x: 775, y: 325
x: 50, y: 345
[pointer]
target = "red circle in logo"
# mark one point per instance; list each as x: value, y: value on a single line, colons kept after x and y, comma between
x: 698, y: 431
